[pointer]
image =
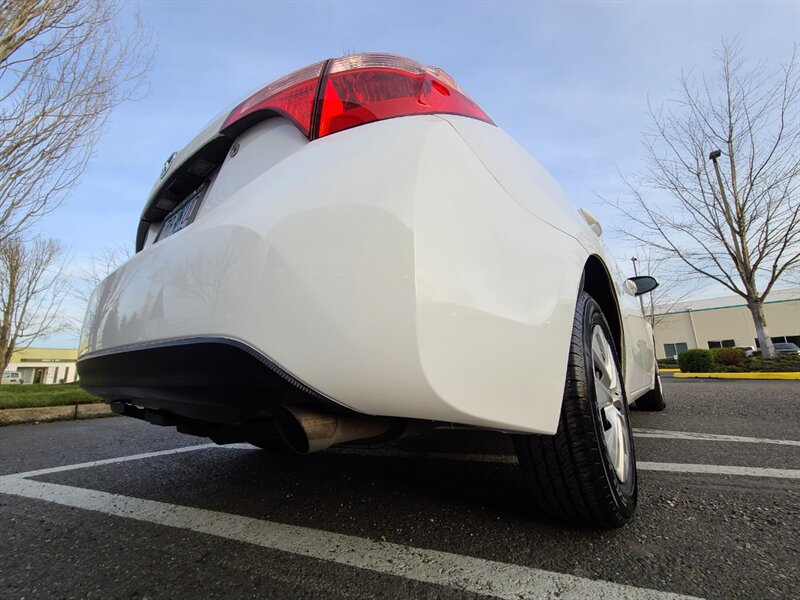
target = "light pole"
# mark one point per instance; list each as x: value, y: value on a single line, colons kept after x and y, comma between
x: 725, y: 208
x: 691, y: 324
x: 770, y: 351
x: 713, y: 158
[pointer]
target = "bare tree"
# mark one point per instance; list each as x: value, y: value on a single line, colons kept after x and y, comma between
x: 64, y: 65
x: 734, y: 219
x: 32, y: 287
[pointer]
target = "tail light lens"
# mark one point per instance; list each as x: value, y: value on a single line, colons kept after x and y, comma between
x: 372, y: 87
x: 292, y: 96
x: 341, y: 93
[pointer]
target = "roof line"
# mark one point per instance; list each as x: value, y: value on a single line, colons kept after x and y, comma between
x: 694, y: 310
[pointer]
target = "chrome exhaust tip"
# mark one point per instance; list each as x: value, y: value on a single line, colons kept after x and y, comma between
x: 306, y: 430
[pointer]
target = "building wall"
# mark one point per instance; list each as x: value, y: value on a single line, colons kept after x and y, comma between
x: 50, y: 365
x: 726, y: 321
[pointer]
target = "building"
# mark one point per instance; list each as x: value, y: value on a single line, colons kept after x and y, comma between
x: 45, y: 365
x: 726, y: 322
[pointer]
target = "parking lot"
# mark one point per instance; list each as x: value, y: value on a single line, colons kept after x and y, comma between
x: 115, y: 508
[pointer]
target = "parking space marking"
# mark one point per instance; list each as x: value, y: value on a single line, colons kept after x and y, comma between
x: 641, y: 465
x: 698, y: 469
x: 719, y: 470
x: 501, y: 580
x: 708, y: 437
x: 111, y: 461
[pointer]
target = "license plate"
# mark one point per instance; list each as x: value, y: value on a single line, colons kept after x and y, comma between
x: 181, y: 215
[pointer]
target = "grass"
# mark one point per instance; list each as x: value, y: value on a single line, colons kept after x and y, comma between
x: 36, y: 395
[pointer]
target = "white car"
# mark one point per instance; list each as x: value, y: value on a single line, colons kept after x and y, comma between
x: 11, y: 377
x: 357, y: 253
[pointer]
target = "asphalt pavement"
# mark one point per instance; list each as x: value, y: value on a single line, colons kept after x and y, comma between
x: 717, y: 518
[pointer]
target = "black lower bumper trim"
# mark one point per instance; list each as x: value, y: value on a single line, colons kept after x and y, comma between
x: 208, y: 379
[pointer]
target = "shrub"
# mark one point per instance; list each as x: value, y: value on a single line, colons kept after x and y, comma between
x: 728, y: 356
x: 667, y: 361
x: 783, y: 364
x: 718, y: 368
x: 695, y: 361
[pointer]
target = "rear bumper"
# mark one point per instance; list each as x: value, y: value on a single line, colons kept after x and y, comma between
x: 383, y: 268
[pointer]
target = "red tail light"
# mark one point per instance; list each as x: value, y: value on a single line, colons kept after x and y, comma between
x: 354, y: 90
x: 372, y: 87
x: 292, y: 96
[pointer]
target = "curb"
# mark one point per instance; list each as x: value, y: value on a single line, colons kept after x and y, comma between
x: 669, y: 370
x: 47, y: 414
x: 783, y: 376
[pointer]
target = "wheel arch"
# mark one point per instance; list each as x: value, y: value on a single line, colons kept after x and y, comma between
x: 598, y: 284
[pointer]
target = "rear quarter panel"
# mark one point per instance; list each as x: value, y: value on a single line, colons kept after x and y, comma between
x: 532, y: 187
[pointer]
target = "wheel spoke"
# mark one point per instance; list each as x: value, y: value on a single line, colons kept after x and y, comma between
x: 617, y: 446
x: 612, y: 440
x: 605, y: 396
x: 603, y: 360
x: 600, y: 363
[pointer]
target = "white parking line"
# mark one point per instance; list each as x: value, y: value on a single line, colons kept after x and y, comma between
x: 111, y: 461
x: 708, y: 437
x: 642, y: 465
x: 719, y: 470
x: 698, y: 469
x: 466, y: 573
x: 501, y: 580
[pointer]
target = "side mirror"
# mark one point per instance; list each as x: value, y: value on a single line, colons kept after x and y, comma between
x: 644, y: 284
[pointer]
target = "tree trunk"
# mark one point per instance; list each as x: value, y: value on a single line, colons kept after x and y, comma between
x: 5, y: 357
x: 760, y: 321
x: 9, y: 303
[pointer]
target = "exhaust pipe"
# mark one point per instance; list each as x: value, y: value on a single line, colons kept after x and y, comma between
x: 306, y: 430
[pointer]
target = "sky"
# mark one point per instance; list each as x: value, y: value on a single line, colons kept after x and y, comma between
x: 570, y: 81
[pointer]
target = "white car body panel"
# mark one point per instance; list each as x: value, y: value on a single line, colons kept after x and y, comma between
x: 422, y: 267
x: 530, y: 185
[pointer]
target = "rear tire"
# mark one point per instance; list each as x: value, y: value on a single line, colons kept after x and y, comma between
x: 654, y: 399
x: 586, y: 473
